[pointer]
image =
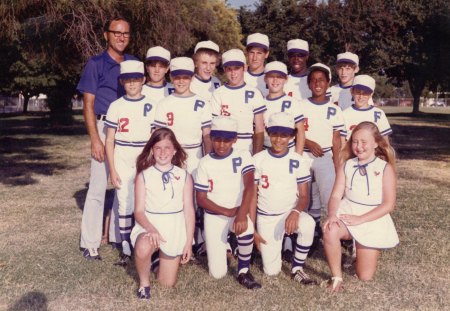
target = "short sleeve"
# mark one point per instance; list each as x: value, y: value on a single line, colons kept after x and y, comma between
x: 247, y: 163
x: 338, y: 120
x: 160, y: 116
x: 383, y: 125
x: 303, y: 172
x: 112, y: 116
x: 206, y: 115
x: 216, y: 104
x: 201, y: 178
x: 257, y: 169
x: 296, y: 111
x: 344, y: 131
x: 258, y: 104
x: 89, y: 80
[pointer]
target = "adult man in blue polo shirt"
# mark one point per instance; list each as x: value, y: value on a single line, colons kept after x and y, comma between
x: 100, y: 85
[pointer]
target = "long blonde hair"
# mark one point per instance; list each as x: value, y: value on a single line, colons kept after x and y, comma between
x: 384, y: 151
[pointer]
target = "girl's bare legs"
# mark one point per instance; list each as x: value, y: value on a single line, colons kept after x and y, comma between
x: 168, y: 269
x: 332, y: 243
x: 142, y: 254
x: 366, y: 261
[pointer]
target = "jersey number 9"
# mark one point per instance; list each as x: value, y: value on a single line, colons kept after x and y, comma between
x: 170, y: 119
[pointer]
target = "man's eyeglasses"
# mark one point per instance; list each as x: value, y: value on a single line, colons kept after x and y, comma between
x: 117, y: 34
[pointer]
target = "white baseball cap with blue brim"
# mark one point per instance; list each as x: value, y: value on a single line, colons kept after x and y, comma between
x: 233, y: 57
x: 281, y: 122
x: 222, y: 126
x: 348, y: 57
x: 182, y: 66
x: 298, y: 46
x: 207, y: 45
x: 276, y: 67
x: 259, y: 40
x: 158, y: 53
x: 320, y: 67
x: 365, y: 83
x: 131, y: 69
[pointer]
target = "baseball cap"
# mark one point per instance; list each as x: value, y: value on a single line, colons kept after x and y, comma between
x: 364, y: 83
x: 258, y: 39
x: 222, y: 126
x: 348, y: 57
x: 277, y: 67
x: 182, y: 66
x: 158, y: 53
x: 130, y: 69
x: 320, y: 67
x: 233, y: 57
x: 281, y: 122
x: 298, y: 45
x: 207, y: 45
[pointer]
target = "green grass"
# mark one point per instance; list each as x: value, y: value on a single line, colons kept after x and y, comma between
x: 43, y: 183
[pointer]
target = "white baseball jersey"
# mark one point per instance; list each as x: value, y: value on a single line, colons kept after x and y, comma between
x: 297, y: 87
x: 353, y: 116
x: 133, y: 119
x: 321, y: 120
x: 221, y: 177
x: 341, y: 96
x: 283, y: 103
x: 157, y: 93
x: 278, y: 178
x: 186, y: 116
x: 205, y: 88
x: 257, y: 80
x: 242, y: 103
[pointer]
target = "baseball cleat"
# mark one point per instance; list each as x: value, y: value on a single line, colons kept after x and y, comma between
x: 248, y: 281
x: 91, y: 254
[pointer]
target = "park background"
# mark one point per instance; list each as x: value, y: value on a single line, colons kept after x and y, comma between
x: 45, y: 155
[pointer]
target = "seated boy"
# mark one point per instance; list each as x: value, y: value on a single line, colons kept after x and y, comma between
x: 281, y: 189
x: 224, y: 188
x: 257, y: 51
x: 206, y: 58
x: 157, y: 64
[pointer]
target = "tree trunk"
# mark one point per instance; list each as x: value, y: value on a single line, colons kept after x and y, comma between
x: 416, y: 85
x: 26, y: 99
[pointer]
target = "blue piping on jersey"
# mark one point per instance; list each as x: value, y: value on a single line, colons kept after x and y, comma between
x: 211, y: 154
x: 180, y: 96
x: 133, y: 100
x: 272, y: 99
x: 255, y: 74
x: 201, y: 80
x: 263, y: 213
x: 298, y: 76
x: 164, y: 213
x: 280, y: 156
x: 234, y: 87
x: 319, y: 104
x: 344, y: 87
x: 362, y: 109
x: 157, y: 87
x: 358, y: 169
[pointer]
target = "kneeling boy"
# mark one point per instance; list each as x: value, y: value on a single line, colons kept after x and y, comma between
x: 281, y: 184
x: 224, y: 188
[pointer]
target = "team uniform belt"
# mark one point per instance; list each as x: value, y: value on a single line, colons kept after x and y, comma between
x: 101, y: 117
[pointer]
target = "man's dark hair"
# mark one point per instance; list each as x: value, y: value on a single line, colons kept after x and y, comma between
x: 115, y: 18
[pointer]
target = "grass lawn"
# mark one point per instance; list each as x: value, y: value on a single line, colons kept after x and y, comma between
x: 43, y: 184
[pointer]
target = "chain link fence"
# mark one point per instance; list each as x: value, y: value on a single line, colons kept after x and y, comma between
x: 15, y: 104
x: 405, y: 102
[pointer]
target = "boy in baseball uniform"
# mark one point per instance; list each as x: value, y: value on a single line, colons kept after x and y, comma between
x: 257, y: 51
x: 298, y: 54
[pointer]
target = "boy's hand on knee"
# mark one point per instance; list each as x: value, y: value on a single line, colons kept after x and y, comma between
x: 240, y: 224
x: 291, y: 224
x: 258, y: 239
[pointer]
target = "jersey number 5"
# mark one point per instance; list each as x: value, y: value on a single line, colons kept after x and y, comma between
x: 223, y: 111
x: 265, y: 178
x: 170, y: 119
x: 123, y: 122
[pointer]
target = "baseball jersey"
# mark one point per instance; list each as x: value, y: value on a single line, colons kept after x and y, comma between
x: 278, y: 178
x: 257, y: 80
x: 186, y: 116
x: 321, y: 120
x: 353, y: 116
x: 221, y: 177
x: 205, y: 88
x: 283, y: 103
x: 133, y: 119
x: 158, y: 92
x: 242, y: 103
x: 341, y: 96
x: 297, y: 87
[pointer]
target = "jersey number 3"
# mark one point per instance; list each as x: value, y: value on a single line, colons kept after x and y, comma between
x: 210, y: 182
x: 123, y: 122
x: 265, y: 179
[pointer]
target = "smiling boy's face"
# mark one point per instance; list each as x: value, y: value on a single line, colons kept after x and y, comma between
x: 275, y: 82
x: 318, y: 83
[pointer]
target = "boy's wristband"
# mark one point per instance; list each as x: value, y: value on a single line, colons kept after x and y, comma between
x: 294, y: 210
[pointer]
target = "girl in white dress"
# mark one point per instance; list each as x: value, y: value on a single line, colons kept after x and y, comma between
x: 164, y: 210
x: 362, y: 198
